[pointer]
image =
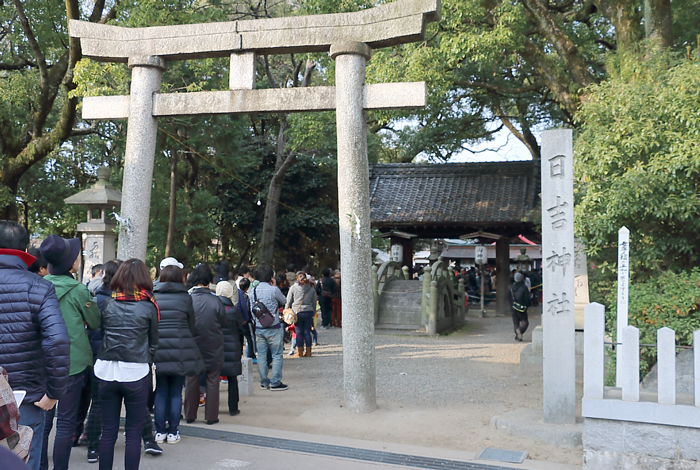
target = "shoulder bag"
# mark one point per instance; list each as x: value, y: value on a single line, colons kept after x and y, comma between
x: 261, y: 312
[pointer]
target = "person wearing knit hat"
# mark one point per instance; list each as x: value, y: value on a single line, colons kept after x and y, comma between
x: 519, y: 298
x: 78, y: 310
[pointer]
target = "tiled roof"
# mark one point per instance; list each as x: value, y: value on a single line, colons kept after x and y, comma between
x: 459, y: 194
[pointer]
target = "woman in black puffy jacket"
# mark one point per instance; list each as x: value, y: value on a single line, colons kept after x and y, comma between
x: 177, y: 355
x: 232, y: 342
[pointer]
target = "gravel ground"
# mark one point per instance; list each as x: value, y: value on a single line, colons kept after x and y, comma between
x: 431, y: 391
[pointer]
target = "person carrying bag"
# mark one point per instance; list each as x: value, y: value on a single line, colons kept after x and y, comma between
x: 269, y: 335
x: 302, y: 296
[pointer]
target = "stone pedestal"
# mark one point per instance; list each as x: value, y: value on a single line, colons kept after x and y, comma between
x: 138, y: 157
x: 246, y: 380
x: 621, y: 445
x: 353, y: 221
x: 98, y: 248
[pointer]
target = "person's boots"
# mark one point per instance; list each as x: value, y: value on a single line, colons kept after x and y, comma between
x: 308, y: 352
x: 300, y: 351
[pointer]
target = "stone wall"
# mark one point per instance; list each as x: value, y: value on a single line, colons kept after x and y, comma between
x: 613, y: 445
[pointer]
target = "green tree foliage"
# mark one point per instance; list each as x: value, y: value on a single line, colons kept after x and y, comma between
x: 211, y: 151
x: 669, y: 300
x: 37, y: 112
x: 637, y: 163
x: 502, y: 64
x: 306, y: 216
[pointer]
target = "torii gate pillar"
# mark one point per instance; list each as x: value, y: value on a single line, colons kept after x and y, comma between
x: 353, y: 220
x: 146, y: 75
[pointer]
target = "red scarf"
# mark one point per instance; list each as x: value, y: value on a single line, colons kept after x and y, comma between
x: 143, y: 294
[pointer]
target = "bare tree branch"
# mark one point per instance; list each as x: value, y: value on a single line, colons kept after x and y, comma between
x: 42, y: 111
x: 500, y: 89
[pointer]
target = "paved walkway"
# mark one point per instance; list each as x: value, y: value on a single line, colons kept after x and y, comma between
x: 436, y: 397
x: 232, y: 446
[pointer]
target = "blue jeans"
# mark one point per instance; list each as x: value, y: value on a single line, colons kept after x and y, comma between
x: 305, y: 321
x: 33, y: 416
x: 66, y: 413
x: 135, y: 396
x: 168, y: 404
x: 272, y: 339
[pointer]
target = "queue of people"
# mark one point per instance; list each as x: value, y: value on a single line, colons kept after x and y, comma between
x: 123, y: 340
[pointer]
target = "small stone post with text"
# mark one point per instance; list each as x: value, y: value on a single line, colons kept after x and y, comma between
x: 623, y: 279
x: 246, y: 379
x: 559, y: 360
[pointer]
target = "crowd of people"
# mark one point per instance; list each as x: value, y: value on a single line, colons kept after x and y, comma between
x: 524, y: 290
x: 125, y: 339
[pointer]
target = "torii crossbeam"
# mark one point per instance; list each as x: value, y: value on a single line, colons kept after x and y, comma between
x: 349, y: 37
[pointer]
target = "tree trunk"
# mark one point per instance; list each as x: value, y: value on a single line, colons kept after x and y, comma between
x: 274, y: 192
x: 173, y: 205
x: 241, y: 260
x: 267, y: 241
x: 561, y: 43
x: 55, y: 82
x: 626, y: 18
x: 657, y: 22
x: 284, y: 161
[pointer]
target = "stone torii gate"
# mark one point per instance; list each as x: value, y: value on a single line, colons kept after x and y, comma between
x: 349, y: 37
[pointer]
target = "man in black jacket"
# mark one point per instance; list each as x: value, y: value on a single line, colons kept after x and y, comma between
x: 519, y: 297
x: 34, y: 342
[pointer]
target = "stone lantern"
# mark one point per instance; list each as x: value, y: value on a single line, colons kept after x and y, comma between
x: 98, y: 233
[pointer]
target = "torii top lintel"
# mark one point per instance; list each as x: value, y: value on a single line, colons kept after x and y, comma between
x: 394, y: 23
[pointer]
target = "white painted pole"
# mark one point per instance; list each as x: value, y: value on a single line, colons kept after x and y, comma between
x: 696, y: 367
x: 481, y: 267
x: 628, y: 361
x: 666, y: 365
x: 594, y: 351
x: 623, y: 277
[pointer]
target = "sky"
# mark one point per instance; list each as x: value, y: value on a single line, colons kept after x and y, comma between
x: 504, y: 147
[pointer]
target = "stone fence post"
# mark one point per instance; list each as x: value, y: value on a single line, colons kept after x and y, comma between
x: 434, y: 303
x: 375, y: 292
x: 425, y: 297
x: 460, y: 298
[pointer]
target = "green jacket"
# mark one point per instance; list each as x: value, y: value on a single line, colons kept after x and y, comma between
x: 79, y: 310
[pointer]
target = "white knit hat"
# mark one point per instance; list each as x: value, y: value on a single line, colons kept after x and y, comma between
x: 224, y: 289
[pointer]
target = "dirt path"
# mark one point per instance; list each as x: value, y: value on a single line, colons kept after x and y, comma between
x: 432, y: 392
